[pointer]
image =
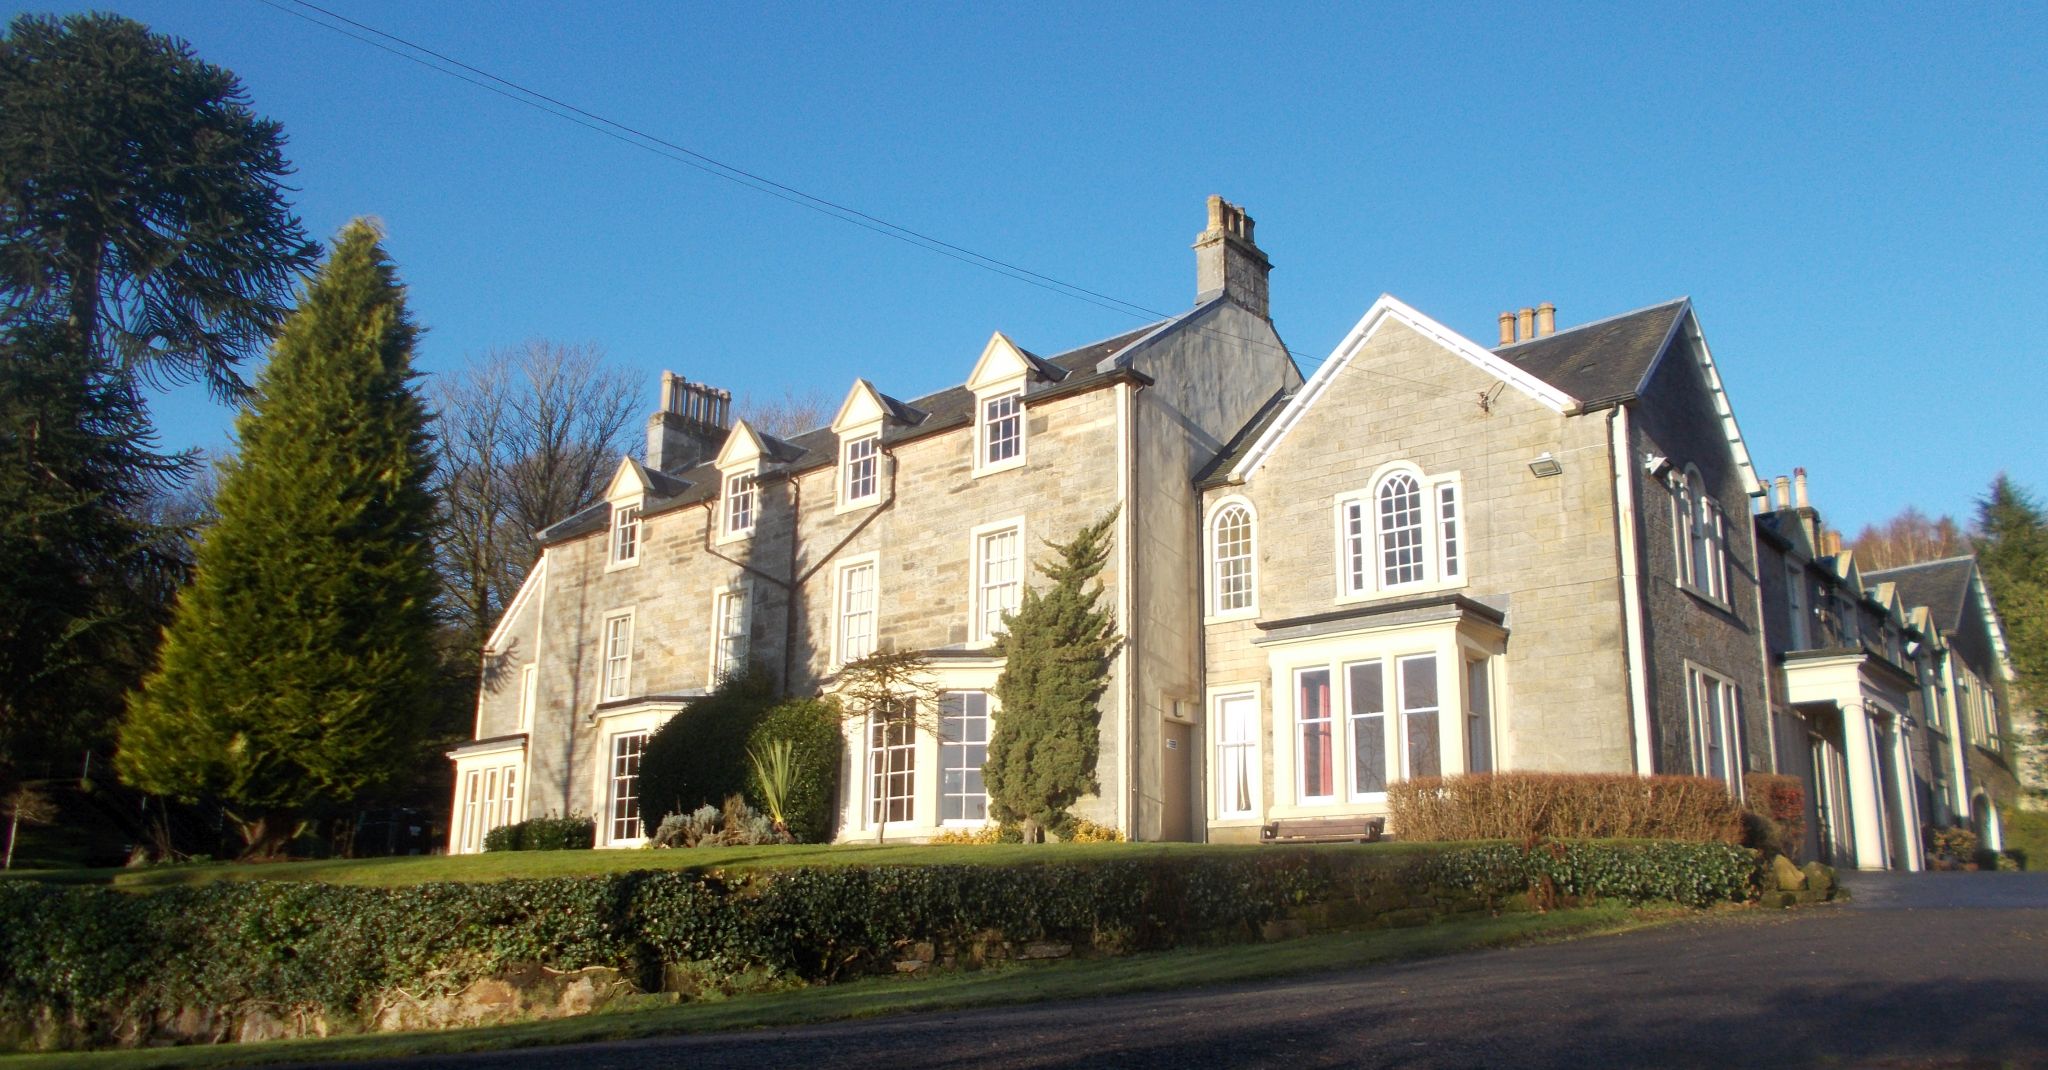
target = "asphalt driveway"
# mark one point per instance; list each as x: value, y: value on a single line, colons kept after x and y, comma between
x: 1934, y: 970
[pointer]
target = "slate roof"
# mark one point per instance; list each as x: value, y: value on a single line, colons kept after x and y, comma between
x: 1217, y: 472
x: 1942, y: 586
x: 1602, y: 362
x: 1073, y: 371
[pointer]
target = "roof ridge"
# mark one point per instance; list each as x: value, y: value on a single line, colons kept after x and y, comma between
x: 1923, y: 564
x: 1595, y: 323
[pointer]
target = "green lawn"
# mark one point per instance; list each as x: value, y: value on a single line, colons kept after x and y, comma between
x: 875, y: 996
x: 393, y: 872
x: 2026, y: 830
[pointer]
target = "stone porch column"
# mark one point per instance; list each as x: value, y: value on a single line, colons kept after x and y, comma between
x: 1909, y: 799
x: 1866, y: 809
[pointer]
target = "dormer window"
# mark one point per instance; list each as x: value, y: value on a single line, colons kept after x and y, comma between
x: 625, y: 534
x: 1002, y: 429
x: 739, y: 504
x: 862, y: 469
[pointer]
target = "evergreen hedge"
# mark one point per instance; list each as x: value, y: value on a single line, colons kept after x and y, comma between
x: 97, y: 961
x: 573, y: 833
x: 812, y: 728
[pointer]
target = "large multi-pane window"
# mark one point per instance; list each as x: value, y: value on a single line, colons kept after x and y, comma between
x: 1407, y: 531
x: 892, y: 765
x: 1237, y: 726
x: 624, y: 809
x: 1401, y: 550
x: 1712, y: 707
x: 625, y: 533
x: 998, y: 578
x: 856, y: 611
x: 1366, y: 683
x: 729, y: 615
x: 1392, y: 727
x: 963, y: 750
x: 863, y: 468
x: 1478, y: 716
x: 739, y: 504
x: 618, y: 655
x: 1230, y: 551
x: 1002, y: 428
x: 1419, y: 715
x: 1318, y: 743
x: 1701, y: 535
x: 488, y: 800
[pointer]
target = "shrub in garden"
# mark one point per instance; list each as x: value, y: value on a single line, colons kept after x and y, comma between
x: 1780, y: 801
x: 572, y: 833
x: 811, y: 727
x: 71, y: 955
x: 1526, y: 806
x: 700, y: 755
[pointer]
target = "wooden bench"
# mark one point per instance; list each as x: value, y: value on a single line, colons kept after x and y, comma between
x: 1323, y: 830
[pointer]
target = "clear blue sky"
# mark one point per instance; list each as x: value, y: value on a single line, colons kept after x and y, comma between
x: 1853, y: 199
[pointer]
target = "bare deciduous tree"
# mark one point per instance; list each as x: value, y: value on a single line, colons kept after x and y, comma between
x: 529, y: 435
x: 1908, y: 539
x: 791, y: 414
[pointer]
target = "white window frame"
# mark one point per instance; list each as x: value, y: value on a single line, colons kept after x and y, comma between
x: 1218, y: 610
x: 1445, y: 554
x: 1480, y: 737
x: 882, y: 770
x: 951, y: 750
x: 739, y: 506
x: 1700, y: 537
x: 614, y: 686
x: 848, y: 477
x: 628, y: 537
x: 731, y: 634
x: 1713, y: 709
x: 980, y: 628
x: 1247, y: 749
x: 985, y: 428
x: 871, y: 563
x: 610, y: 822
x: 1300, y: 728
x: 1390, y: 734
x: 529, y: 695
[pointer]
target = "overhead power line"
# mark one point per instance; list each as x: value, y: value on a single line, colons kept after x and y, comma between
x: 443, y: 63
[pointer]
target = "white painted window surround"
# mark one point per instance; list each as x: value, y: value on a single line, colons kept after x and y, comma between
x: 624, y: 823
x: 1233, y: 560
x: 1713, y: 706
x: 740, y: 499
x: 857, y: 601
x: 1000, y: 430
x: 1403, y: 532
x: 731, y: 611
x: 618, y: 655
x: 998, y: 551
x: 1237, y: 756
x: 625, y: 541
x: 861, y: 470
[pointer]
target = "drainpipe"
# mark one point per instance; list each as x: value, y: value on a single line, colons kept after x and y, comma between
x: 1622, y: 455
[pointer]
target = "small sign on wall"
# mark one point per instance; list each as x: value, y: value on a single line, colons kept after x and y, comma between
x: 1172, y: 743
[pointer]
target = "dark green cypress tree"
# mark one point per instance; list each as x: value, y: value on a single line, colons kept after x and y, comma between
x: 2012, y: 551
x: 1041, y: 756
x: 299, y: 667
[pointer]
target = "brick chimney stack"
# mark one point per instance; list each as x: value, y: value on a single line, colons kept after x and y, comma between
x: 1229, y: 263
x: 690, y: 426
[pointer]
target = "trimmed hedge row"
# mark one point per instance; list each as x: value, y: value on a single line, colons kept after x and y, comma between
x: 94, y: 964
x: 574, y: 833
x: 1522, y: 806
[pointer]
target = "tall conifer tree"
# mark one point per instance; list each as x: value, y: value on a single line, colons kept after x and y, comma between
x: 2012, y: 551
x: 1041, y: 756
x: 298, y: 669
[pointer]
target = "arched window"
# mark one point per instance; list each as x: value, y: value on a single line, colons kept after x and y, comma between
x: 1401, y: 545
x: 1230, y: 549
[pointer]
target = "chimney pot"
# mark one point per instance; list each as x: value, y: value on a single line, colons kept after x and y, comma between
x: 1507, y: 328
x: 1799, y: 487
x: 1781, y: 491
x: 1546, y: 320
x: 1525, y: 324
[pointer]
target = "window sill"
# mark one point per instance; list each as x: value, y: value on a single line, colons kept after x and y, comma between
x: 1707, y: 598
x: 981, y: 470
x: 1236, y: 821
x: 613, y: 564
x: 1226, y: 617
x: 729, y: 537
x: 856, y: 505
x: 1378, y: 593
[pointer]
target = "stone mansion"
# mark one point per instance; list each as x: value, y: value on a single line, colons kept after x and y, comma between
x: 1431, y: 556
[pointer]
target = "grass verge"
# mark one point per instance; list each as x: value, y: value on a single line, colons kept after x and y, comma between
x: 399, y: 872
x: 2026, y: 830
x: 650, y: 1016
